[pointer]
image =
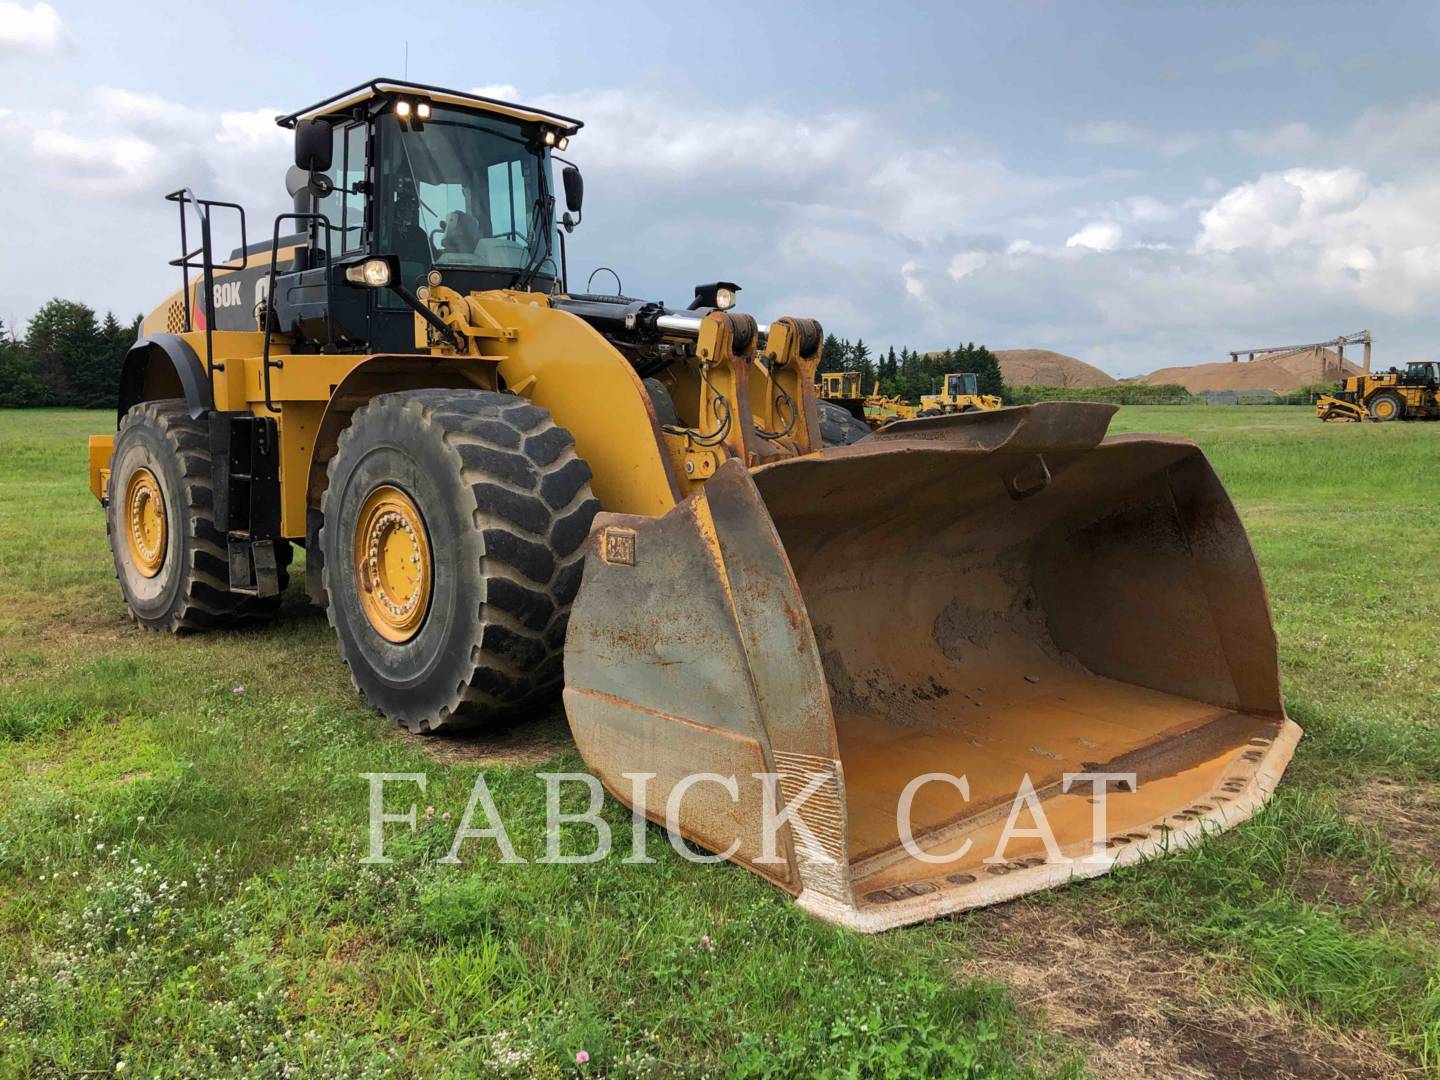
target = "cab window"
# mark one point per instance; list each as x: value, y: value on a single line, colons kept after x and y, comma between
x: 344, y: 207
x: 961, y: 385
x: 460, y: 190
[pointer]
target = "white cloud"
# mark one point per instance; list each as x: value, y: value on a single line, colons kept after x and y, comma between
x: 1336, y: 233
x: 35, y: 29
x: 498, y: 92
x: 1097, y: 236
x: 1123, y: 133
x: 1405, y: 134
x: 965, y: 263
x: 1296, y: 139
x: 914, y: 285
x: 1279, y: 209
x: 127, y: 146
x: 1145, y: 210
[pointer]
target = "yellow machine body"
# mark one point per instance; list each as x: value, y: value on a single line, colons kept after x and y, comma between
x: 1412, y: 394
x: 958, y: 393
x: 1004, y: 596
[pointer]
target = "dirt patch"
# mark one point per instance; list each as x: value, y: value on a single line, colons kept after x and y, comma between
x: 1407, y: 815
x: 1332, y: 882
x: 1145, y: 1009
x: 527, y: 741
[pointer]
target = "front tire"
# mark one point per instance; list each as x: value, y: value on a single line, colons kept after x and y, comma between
x: 453, y: 535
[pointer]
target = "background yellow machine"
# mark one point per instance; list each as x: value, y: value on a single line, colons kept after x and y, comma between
x: 959, y: 393
x: 1412, y: 394
x: 842, y: 408
x: 400, y: 382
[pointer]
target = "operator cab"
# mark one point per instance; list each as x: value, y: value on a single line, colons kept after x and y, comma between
x: 1423, y: 372
x: 424, y: 180
x: 961, y: 385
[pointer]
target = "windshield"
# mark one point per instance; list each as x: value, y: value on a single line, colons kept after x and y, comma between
x: 962, y: 384
x: 461, y: 190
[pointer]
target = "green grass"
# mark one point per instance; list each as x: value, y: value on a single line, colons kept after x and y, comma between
x: 180, y: 886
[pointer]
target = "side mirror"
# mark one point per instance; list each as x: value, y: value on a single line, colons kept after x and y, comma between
x: 312, y: 145
x: 574, y: 188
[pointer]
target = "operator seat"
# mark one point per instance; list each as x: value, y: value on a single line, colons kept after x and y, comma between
x: 462, y: 233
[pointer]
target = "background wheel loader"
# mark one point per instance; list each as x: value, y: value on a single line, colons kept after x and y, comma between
x: 1412, y: 394
x: 400, y: 382
x: 842, y: 410
x: 959, y: 393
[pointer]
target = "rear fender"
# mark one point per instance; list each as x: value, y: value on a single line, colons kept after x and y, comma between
x: 164, y: 366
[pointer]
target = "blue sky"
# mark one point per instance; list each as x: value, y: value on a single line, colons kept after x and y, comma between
x: 1136, y: 184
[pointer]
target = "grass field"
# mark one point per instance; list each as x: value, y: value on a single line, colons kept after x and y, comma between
x: 182, y: 823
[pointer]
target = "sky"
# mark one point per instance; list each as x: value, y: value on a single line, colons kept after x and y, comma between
x: 1136, y: 184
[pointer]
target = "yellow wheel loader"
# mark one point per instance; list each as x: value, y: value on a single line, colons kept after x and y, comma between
x: 1412, y: 394
x: 959, y: 393
x: 865, y: 672
x: 843, y: 413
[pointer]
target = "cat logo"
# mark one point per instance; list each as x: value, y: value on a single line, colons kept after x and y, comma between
x: 227, y: 293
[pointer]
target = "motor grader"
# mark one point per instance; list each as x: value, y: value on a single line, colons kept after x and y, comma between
x: 1412, y: 394
x: 498, y: 482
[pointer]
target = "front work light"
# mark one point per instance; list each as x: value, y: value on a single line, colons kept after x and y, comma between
x: 372, y: 272
x: 402, y: 110
x: 549, y: 138
x: 422, y: 110
x: 718, y: 294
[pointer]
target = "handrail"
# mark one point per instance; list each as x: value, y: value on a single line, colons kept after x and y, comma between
x: 206, y: 265
x: 265, y: 362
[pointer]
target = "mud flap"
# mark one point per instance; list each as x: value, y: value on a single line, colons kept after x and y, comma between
x: 934, y: 619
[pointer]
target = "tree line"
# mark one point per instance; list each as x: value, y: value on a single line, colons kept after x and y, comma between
x: 67, y: 356
x: 910, y: 373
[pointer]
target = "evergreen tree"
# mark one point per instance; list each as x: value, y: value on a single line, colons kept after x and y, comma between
x: 832, y: 355
x: 96, y: 373
x: 18, y: 385
x: 987, y: 368
x: 860, y: 361
x: 65, y: 348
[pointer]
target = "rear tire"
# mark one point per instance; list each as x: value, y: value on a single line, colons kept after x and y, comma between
x: 1386, y: 406
x: 838, y: 427
x: 453, y: 541
x: 169, y: 557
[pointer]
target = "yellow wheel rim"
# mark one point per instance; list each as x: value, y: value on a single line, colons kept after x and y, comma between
x: 1384, y: 408
x: 392, y: 563
x: 145, y: 530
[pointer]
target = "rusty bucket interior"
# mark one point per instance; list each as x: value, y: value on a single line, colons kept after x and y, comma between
x: 1002, y: 597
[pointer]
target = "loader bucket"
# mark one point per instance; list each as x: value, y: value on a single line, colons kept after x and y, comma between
x: 1005, y: 596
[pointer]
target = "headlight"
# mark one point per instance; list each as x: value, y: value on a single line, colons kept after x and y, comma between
x: 718, y: 294
x: 549, y: 138
x: 563, y: 143
x: 372, y: 272
x: 402, y: 109
x: 422, y: 110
